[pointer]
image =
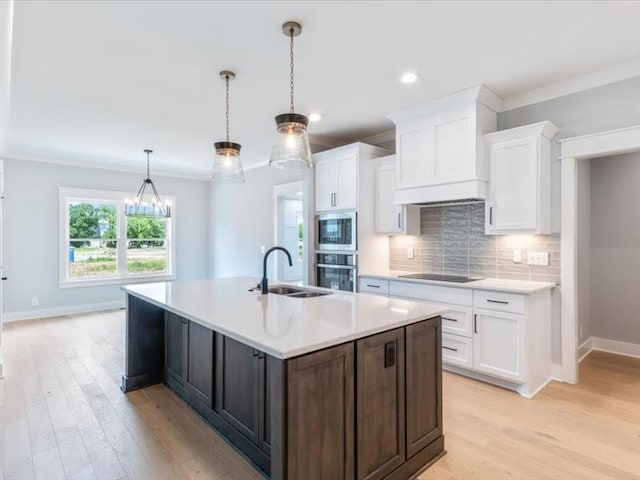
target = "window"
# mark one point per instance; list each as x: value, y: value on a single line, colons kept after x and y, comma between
x: 101, y: 246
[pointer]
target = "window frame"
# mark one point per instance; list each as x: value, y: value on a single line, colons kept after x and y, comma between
x: 67, y: 195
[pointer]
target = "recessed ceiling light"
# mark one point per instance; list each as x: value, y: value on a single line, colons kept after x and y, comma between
x: 315, y: 117
x: 409, y: 77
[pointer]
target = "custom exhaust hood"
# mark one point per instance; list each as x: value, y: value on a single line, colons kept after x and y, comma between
x: 440, y: 156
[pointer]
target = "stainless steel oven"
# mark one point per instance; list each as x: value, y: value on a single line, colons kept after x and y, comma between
x: 337, y: 231
x: 336, y: 271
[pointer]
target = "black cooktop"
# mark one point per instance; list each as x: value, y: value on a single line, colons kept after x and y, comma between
x: 441, y: 278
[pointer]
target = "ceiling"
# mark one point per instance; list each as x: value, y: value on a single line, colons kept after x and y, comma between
x: 98, y: 82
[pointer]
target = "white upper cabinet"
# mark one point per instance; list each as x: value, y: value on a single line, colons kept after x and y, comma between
x: 519, y: 199
x: 439, y: 147
x: 391, y: 218
x: 337, y: 180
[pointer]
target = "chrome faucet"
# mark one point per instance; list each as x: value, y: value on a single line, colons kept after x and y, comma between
x: 264, y: 284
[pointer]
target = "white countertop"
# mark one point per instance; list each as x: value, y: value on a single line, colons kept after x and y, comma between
x: 495, y: 284
x: 282, y: 326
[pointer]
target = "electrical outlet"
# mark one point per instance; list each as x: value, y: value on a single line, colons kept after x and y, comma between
x: 35, y: 302
x: 517, y: 256
x: 410, y: 253
x: 538, y: 258
x: 263, y: 249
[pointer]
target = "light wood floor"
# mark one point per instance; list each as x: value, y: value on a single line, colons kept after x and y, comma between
x: 62, y: 415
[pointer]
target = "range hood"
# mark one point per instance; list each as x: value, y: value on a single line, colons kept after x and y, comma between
x: 440, y: 149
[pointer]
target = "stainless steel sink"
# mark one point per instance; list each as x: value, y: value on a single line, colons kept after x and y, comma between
x: 296, y: 292
x: 284, y: 290
x: 308, y: 294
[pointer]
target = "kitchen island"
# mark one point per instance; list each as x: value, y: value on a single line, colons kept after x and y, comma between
x: 339, y: 386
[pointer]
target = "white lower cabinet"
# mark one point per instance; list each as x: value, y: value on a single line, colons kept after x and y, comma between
x: 498, y: 344
x: 457, y: 350
x: 499, y: 337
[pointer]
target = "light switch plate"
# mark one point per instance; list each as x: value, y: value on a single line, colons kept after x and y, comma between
x: 410, y: 253
x: 517, y: 256
x: 539, y: 258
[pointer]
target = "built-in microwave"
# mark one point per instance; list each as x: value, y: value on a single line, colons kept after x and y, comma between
x: 337, y: 231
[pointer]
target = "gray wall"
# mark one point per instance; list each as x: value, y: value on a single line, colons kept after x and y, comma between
x: 242, y: 220
x: 31, y: 231
x: 452, y: 241
x: 599, y: 109
x: 615, y: 248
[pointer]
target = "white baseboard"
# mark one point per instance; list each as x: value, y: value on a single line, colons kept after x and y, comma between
x: 615, y: 346
x: 58, y: 311
x: 585, y: 349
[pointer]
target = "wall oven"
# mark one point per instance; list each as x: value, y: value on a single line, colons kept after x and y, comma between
x: 337, y: 231
x: 336, y: 271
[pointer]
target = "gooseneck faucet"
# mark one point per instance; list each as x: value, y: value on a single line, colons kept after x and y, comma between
x: 265, y: 283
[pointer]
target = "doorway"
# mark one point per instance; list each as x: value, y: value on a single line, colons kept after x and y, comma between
x: 290, y: 231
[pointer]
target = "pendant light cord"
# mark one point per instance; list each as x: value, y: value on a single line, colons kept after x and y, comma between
x: 227, y: 102
x: 291, y: 67
x: 148, y: 174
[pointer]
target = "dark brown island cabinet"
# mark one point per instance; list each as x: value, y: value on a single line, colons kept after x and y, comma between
x: 370, y: 409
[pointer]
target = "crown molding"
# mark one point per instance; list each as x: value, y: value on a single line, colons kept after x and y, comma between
x: 573, y: 85
x: 100, y: 165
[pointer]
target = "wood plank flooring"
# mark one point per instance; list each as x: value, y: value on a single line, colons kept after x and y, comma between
x: 62, y: 416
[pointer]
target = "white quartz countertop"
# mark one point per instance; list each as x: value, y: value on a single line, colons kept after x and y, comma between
x: 281, y: 326
x: 495, y: 284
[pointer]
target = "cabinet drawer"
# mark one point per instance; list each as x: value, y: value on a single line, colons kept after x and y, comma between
x: 431, y: 293
x: 458, y: 321
x: 457, y: 350
x: 500, y: 301
x: 374, y: 285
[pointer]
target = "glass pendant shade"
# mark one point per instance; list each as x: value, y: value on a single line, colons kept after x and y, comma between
x: 291, y: 149
x: 227, y: 167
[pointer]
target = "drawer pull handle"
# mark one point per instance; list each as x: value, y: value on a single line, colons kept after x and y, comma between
x: 475, y: 323
x: 389, y: 354
x: 450, y: 348
x: 502, y: 302
x: 373, y: 286
x: 450, y: 319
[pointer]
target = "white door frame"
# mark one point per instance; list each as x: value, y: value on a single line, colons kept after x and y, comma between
x: 601, y: 144
x: 285, y: 189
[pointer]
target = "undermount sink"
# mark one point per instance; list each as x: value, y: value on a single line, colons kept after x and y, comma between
x: 296, y: 292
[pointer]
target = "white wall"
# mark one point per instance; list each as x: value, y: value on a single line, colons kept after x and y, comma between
x: 31, y: 231
x: 615, y: 248
x: 242, y: 220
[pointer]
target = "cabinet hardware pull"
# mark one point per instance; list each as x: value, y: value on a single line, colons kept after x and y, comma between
x: 475, y: 323
x: 389, y: 354
x: 449, y: 348
x: 4, y: 278
x: 373, y: 286
x: 335, y: 199
x: 183, y: 321
x: 399, y: 218
x: 502, y: 302
x: 254, y: 352
x: 490, y: 215
x: 450, y: 319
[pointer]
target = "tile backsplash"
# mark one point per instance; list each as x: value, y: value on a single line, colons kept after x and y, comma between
x: 452, y: 241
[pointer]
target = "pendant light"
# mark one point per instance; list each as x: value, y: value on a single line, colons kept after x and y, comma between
x: 291, y: 149
x: 227, y: 167
x: 147, y: 203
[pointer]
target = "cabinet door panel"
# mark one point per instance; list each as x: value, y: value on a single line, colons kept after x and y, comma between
x: 346, y: 182
x: 200, y: 362
x: 498, y: 344
x: 320, y: 423
x: 325, y: 184
x: 513, y: 184
x: 424, y: 384
x: 176, y: 345
x: 238, y: 385
x: 380, y: 410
